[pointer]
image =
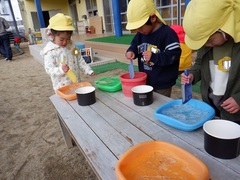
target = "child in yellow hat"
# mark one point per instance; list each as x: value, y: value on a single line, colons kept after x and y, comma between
x: 60, y: 54
x: 212, y: 28
x: 155, y: 45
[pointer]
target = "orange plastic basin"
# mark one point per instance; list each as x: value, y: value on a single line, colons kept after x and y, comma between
x: 68, y: 92
x: 160, y: 160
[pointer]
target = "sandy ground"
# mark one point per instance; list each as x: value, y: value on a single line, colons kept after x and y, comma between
x: 31, y: 143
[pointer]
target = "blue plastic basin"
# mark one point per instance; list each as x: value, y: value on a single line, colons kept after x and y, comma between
x: 187, y: 117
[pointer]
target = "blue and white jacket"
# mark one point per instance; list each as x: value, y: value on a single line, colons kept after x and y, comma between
x: 162, y: 69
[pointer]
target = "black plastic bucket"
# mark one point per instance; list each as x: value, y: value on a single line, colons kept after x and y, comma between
x: 222, y: 138
x: 142, y: 95
x: 86, y: 95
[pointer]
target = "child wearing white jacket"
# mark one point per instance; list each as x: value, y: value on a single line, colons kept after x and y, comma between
x: 61, y: 55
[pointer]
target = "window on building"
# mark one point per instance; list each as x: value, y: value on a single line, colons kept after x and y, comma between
x: 4, y: 8
x: 123, y: 10
x: 92, y: 8
x: 172, y: 11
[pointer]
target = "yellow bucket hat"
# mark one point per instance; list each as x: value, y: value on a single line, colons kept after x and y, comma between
x: 61, y: 22
x: 203, y: 18
x: 139, y: 11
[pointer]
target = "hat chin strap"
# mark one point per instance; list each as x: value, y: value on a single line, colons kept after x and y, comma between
x: 223, y: 34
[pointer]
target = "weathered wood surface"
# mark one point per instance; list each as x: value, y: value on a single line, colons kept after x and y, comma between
x: 105, y: 130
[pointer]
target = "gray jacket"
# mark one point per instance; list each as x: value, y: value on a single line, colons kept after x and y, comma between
x: 3, y: 26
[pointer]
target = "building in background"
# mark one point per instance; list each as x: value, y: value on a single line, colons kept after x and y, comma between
x: 5, y: 12
x: 97, y: 11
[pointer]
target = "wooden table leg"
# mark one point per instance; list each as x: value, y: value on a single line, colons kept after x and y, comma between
x: 67, y: 137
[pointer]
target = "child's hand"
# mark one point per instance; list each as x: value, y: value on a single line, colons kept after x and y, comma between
x: 65, y: 68
x: 130, y: 55
x: 147, y: 55
x: 92, y: 74
x: 186, y: 79
x: 230, y: 105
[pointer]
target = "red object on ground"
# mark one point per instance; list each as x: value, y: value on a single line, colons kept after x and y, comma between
x: 17, y: 40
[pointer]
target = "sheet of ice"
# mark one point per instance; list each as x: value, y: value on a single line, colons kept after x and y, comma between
x: 185, y: 113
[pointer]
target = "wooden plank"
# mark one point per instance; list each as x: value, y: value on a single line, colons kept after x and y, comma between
x: 101, y: 118
x: 120, y: 124
x: 129, y: 113
x: 95, y: 151
x: 102, y: 129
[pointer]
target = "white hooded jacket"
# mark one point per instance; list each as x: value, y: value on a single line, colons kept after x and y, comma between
x: 54, y: 56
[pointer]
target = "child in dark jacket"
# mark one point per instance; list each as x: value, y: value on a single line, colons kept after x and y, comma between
x: 155, y: 45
